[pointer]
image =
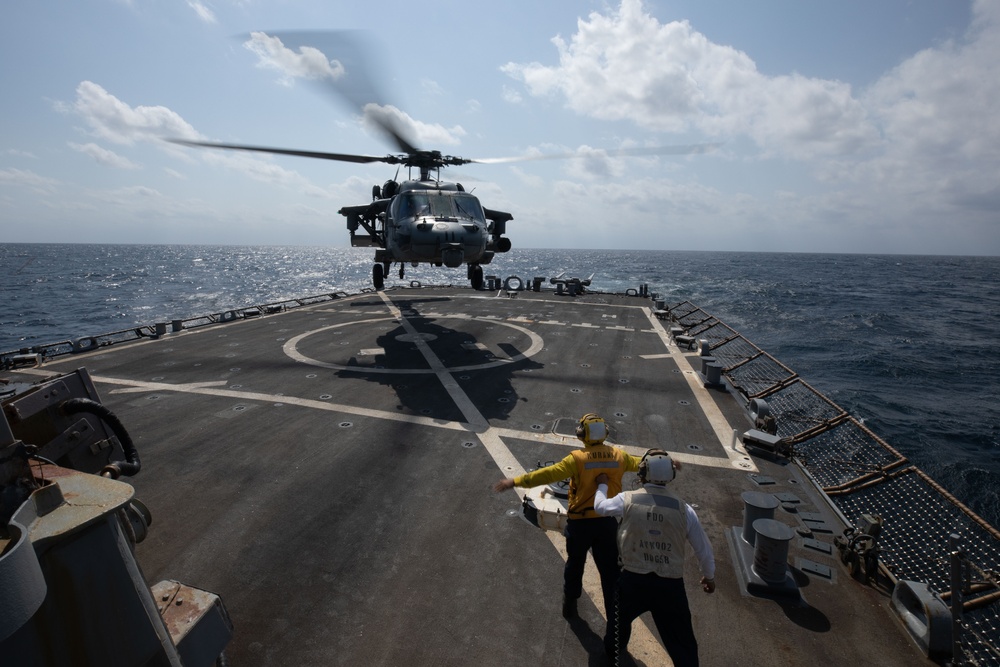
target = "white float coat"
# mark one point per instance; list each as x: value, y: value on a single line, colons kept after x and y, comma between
x: 695, y: 533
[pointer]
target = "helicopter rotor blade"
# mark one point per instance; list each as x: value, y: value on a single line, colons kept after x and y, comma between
x: 356, y: 86
x: 340, y: 157
x: 686, y: 149
x: 339, y: 62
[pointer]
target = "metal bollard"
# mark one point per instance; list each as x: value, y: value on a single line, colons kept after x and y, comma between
x: 770, y: 554
x: 756, y: 506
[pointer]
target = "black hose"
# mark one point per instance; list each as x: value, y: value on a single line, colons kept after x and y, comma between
x: 131, y: 465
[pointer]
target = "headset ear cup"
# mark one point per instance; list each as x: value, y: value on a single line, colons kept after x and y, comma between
x: 644, y: 464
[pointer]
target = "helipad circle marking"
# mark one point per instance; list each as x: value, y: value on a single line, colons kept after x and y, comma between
x: 290, y: 349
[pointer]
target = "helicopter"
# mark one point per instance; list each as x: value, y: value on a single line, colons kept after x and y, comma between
x: 419, y: 221
x: 422, y: 220
x: 428, y: 220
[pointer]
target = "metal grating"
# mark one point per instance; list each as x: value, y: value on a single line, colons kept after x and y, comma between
x: 799, y: 408
x: 758, y: 375
x: 736, y: 351
x: 917, y: 520
x: 845, y: 454
x: 712, y: 330
x: 861, y: 474
x: 981, y: 625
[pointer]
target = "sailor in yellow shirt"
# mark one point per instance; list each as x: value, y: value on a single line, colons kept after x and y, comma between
x: 586, y: 530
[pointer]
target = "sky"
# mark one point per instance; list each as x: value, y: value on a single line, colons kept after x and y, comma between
x: 854, y: 126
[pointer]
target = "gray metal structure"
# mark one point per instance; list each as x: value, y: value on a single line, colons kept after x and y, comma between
x: 73, y: 591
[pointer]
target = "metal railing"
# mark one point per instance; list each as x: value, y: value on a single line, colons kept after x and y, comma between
x: 30, y: 355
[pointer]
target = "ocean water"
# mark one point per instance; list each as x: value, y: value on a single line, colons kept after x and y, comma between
x: 907, y: 344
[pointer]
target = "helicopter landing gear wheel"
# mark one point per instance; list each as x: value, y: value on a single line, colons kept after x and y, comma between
x: 476, y: 276
x: 378, y: 276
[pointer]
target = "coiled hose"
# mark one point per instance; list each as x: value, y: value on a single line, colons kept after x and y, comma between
x: 131, y: 465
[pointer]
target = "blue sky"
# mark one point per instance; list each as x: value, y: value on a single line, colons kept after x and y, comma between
x: 841, y: 127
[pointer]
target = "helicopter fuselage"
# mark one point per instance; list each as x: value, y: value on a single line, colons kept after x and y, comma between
x: 428, y: 222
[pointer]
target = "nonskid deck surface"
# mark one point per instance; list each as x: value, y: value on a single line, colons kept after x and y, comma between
x: 327, y: 471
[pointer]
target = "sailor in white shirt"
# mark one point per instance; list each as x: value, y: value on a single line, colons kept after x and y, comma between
x: 655, y: 524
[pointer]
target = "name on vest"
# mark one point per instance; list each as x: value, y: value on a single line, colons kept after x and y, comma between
x: 655, y: 546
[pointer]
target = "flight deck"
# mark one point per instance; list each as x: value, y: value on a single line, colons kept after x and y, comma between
x: 326, y: 468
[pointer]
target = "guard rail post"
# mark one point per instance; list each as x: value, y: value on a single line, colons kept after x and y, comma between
x: 957, y: 582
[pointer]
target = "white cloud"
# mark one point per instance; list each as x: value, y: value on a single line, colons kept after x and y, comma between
x: 203, y: 12
x: 19, y: 153
x: 260, y: 169
x: 671, y: 78
x: 937, y: 111
x: 509, y: 94
x: 594, y: 163
x: 306, y: 63
x: 531, y: 180
x: 431, y: 87
x: 111, y: 119
x: 103, y: 156
x: 137, y: 191
x: 28, y: 179
x: 915, y: 154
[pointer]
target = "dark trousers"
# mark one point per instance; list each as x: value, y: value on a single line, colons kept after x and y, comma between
x: 666, y: 599
x: 601, y: 537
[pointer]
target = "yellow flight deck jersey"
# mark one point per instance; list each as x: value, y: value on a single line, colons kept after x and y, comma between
x: 583, y: 466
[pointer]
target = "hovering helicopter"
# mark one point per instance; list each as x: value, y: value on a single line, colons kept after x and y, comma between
x: 427, y: 220
x: 422, y: 220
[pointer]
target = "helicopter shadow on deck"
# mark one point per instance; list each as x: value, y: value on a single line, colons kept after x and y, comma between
x: 489, y: 387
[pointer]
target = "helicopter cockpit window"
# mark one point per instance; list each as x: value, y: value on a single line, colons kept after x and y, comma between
x: 439, y: 206
x: 412, y: 205
x: 469, y: 207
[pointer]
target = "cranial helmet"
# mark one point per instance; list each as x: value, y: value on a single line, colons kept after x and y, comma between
x: 656, y: 467
x: 592, y: 429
